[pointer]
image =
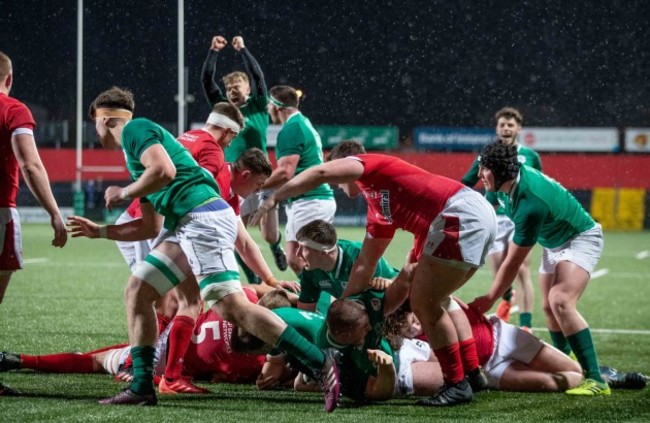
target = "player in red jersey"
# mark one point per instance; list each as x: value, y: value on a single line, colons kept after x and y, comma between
x: 453, y: 228
x: 209, y: 356
x: 19, y: 153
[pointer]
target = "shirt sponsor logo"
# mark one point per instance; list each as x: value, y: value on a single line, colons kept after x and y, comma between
x: 384, y: 203
x: 324, y: 284
x: 189, y: 137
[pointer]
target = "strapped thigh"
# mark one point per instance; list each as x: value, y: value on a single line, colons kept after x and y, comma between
x: 159, y: 271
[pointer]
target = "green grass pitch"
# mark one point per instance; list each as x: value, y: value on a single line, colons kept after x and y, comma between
x: 71, y: 300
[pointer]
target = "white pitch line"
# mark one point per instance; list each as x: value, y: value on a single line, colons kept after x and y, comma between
x: 36, y: 260
x: 599, y: 273
x: 642, y: 254
x: 609, y: 331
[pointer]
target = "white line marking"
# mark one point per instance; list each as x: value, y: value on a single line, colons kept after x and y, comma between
x: 609, y: 331
x: 36, y: 260
x: 599, y: 273
x: 642, y: 254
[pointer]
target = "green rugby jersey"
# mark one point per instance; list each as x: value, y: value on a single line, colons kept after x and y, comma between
x: 256, y: 121
x: 192, y: 185
x: 525, y: 156
x: 254, y: 109
x: 355, y: 364
x: 315, y: 281
x: 542, y: 210
x: 298, y: 137
x: 308, y: 324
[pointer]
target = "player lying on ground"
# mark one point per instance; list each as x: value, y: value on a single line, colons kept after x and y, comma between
x: 209, y: 356
x: 453, y: 227
x: 328, y: 265
x: 518, y: 361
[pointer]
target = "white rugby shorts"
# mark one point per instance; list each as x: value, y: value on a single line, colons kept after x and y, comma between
x: 302, y: 212
x: 510, y: 343
x: 584, y: 250
x: 463, y: 231
x: 505, y: 234
x: 11, y: 247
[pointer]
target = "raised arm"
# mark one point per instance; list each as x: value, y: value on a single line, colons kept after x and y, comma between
x: 213, y: 93
x: 31, y: 166
x: 252, y: 68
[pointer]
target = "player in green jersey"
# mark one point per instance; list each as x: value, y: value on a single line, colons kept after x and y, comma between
x: 298, y: 148
x: 543, y: 211
x: 354, y: 327
x: 246, y: 90
x: 508, y: 128
x: 203, y: 228
x: 328, y: 261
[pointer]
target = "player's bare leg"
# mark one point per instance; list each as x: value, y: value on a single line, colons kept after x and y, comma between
x: 569, y: 285
x: 550, y: 371
x: 5, y: 277
x: 270, y: 230
x: 143, y: 330
x: 433, y: 282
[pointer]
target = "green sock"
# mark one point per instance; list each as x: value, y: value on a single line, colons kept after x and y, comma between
x: 252, y: 277
x: 142, y: 383
x: 507, y: 295
x: 560, y: 342
x: 276, y: 244
x: 297, y: 346
x: 526, y: 319
x: 583, y: 347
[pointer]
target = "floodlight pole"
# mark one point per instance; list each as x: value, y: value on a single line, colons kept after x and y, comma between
x: 181, y: 67
x: 79, y: 126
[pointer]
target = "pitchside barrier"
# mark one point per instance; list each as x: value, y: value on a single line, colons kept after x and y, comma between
x: 611, y: 180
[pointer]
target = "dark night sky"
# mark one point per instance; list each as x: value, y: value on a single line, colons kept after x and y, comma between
x: 405, y: 63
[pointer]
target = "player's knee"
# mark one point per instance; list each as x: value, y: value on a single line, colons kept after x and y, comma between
x: 138, y: 291
x: 561, y: 305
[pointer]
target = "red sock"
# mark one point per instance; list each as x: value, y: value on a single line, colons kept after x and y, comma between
x: 58, y: 363
x: 468, y: 354
x: 450, y: 363
x: 179, y: 339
